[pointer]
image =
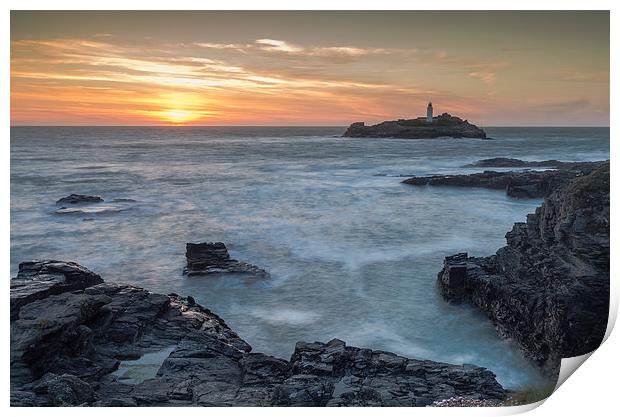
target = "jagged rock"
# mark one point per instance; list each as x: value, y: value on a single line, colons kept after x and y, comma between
x: 334, y: 374
x: 548, y: 288
x: 444, y: 125
x: 66, y: 349
x: 518, y: 184
x: 79, y: 199
x: 69, y: 390
x: 115, y: 402
x: 213, y: 258
x: 39, y: 279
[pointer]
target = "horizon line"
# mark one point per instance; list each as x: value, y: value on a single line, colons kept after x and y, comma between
x: 339, y: 126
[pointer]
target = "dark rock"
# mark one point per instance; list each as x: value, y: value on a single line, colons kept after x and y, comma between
x: 444, y: 125
x: 116, y: 402
x: 123, y: 200
x: 548, y: 289
x: 334, y: 374
x: 66, y: 347
x: 82, y: 332
x: 27, y: 399
x: 518, y: 184
x: 39, y: 279
x: 452, y: 279
x: 518, y: 163
x: 212, y: 258
x: 69, y: 390
x: 79, y: 199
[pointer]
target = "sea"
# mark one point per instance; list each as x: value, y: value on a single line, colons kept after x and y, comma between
x: 352, y: 252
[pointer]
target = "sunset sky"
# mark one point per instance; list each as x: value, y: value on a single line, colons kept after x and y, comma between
x: 308, y: 68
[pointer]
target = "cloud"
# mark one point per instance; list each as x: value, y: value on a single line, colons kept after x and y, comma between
x: 268, y: 80
x: 486, y: 77
x: 563, y: 107
x: 179, y: 65
x: 225, y: 46
x: 281, y: 47
x: 278, y: 46
x: 219, y: 81
x: 583, y: 76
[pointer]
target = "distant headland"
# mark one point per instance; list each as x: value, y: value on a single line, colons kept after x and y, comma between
x: 429, y: 127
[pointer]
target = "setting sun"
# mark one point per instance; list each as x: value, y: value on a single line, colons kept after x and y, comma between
x: 179, y: 116
x: 280, y: 72
x: 177, y: 108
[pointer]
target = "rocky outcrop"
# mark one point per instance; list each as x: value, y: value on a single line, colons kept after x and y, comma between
x: 444, y: 125
x: 519, y: 163
x: 72, y: 347
x: 518, y: 184
x: 341, y: 375
x: 208, y: 258
x: 40, y: 279
x: 548, y: 289
x: 80, y: 199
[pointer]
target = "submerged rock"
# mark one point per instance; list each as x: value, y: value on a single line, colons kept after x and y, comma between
x: 80, y: 198
x: 444, y: 125
x: 67, y: 346
x: 123, y: 200
x: 213, y: 258
x: 518, y: 184
x: 548, y: 289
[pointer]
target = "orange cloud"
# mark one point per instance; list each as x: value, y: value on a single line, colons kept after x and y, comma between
x: 173, y: 86
x: 103, y: 80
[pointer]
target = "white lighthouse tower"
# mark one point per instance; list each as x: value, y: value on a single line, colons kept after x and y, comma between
x: 429, y: 113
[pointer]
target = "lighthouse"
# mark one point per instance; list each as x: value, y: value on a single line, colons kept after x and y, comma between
x: 429, y: 113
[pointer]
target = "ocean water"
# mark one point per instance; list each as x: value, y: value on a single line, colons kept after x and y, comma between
x: 353, y: 253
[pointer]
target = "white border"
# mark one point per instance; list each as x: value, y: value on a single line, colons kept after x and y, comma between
x: 592, y: 391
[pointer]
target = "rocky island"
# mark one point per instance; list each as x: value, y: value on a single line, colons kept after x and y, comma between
x: 75, y: 337
x: 444, y: 125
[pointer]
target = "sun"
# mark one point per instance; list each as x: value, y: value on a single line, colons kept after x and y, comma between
x: 177, y: 108
x: 179, y: 116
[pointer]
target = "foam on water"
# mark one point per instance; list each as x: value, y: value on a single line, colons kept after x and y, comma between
x: 285, y: 316
x: 352, y: 252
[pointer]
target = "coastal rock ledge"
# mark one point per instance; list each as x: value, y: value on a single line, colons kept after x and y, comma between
x: 548, y: 289
x: 444, y: 125
x: 517, y: 184
x: 72, y: 336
